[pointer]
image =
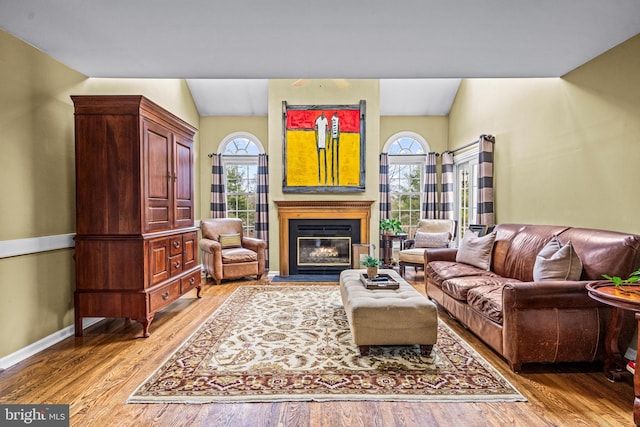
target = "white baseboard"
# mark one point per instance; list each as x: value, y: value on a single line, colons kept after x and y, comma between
x: 46, y: 342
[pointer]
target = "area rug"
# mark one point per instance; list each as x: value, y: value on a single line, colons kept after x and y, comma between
x: 293, y: 343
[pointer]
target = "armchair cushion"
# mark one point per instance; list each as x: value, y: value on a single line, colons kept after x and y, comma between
x: 231, y: 240
x: 432, y: 240
x: 236, y: 255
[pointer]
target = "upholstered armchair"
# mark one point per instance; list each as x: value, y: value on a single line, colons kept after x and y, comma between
x: 431, y: 233
x: 227, y: 253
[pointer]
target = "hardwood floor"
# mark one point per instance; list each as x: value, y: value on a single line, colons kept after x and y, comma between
x: 96, y: 373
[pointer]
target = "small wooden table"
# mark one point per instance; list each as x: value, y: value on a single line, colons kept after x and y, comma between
x: 620, y: 299
x: 386, y: 247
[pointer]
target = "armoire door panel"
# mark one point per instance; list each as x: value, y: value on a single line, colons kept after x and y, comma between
x: 158, y: 179
x: 190, y: 250
x: 159, y: 260
x: 183, y: 186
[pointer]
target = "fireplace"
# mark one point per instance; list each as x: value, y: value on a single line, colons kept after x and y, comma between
x: 321, y: 246
x: 323, y: 212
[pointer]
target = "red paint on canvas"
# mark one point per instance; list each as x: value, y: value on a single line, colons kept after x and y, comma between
x: 306, y: 119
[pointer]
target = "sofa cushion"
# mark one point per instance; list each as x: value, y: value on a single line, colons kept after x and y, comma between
x: 557, y: 262
x: 236, y: 255
x: 487, y: 301
x: 432, y: 240
x: 476, y: 250
x: 459, y: 287
x: 439, y: 271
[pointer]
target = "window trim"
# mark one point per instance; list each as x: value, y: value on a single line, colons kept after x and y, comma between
x: 409, y: 159
x: 468, y: 157
x: 237, y: 135
x: 406, y: 134
x: 250, y: 160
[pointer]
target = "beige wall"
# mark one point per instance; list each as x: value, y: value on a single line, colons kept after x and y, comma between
x: 37, y: 172
x: 434, y: 129
x: 567, y: 149
x: 321, y: 92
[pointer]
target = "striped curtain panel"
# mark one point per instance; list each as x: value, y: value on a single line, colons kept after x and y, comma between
x: 218, y: 204
x: 385, y: 203
x: 262, y: 204
x: 430, y: 189
x: 485, y: 180
x: 446, y: 197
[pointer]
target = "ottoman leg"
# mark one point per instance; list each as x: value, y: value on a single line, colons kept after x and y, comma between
x: 425, y: 350
x: 364, y: 349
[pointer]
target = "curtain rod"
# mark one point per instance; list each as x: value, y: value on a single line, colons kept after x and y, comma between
x: 463, y: 147
x: 414, y: 155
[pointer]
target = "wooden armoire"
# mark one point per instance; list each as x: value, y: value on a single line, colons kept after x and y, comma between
x: 136, y: 244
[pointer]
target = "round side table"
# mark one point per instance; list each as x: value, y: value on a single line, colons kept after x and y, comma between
x: 619, y: 298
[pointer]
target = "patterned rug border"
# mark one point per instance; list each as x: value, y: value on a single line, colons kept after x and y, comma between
x: 516, y: 396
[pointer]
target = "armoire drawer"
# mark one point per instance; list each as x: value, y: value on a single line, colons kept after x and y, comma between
x: 164, y: 295
x: 175, y: 265
x: 189, y: 282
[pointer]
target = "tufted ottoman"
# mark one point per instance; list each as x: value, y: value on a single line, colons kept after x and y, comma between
x: 400, y: 316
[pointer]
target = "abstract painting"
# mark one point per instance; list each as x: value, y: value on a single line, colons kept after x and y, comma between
x: 324, y: 148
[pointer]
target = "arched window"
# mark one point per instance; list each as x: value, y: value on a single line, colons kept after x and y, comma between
x: 406, y: 154
x: 240, y: 158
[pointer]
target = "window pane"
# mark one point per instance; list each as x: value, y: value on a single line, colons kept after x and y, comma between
x: 405, y: 182
x: 241, y: 192
x: 241, y: 146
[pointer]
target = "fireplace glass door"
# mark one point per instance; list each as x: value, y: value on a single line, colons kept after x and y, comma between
x: 324, y: 251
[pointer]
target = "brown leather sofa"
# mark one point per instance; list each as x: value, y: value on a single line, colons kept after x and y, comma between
x: 246, y: 258
x: 527, y: 321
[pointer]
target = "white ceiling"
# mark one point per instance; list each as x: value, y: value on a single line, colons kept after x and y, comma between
x: 248, y: 41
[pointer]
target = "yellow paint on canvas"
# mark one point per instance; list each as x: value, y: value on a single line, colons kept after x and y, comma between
x: 304, y: 170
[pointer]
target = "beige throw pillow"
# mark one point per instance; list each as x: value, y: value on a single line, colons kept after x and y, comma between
x: 557, y: 262
x: 432, y: 240
x: 476, y: 250
x: 230, y: 240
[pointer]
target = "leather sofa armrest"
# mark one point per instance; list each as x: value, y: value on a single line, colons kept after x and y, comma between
x: 209, y: 245
x: 440, y: 254
x: 547, y: 294
x: 254, y: 244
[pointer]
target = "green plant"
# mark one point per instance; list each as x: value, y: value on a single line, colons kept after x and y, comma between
x: 633, y: 278
x: 370, y: 261
x: 391, y: 224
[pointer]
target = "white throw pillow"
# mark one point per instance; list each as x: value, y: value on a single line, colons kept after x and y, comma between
x: 476, y: 250
x: 432, y: 240
x: 557, y: 262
